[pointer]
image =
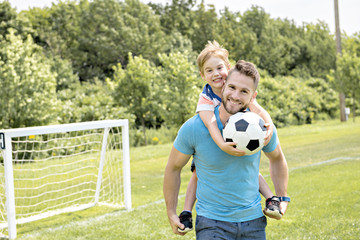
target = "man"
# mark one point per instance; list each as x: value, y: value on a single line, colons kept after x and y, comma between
x: 228, y: 199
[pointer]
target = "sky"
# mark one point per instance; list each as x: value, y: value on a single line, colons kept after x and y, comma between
x: 308, y: 11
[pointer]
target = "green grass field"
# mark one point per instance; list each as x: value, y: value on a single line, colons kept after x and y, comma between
x: 324, y: 184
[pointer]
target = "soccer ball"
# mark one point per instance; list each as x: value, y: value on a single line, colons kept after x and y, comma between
x: 247, y: 130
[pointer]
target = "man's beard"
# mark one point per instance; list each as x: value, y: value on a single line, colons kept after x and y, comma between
x: 233, y: 111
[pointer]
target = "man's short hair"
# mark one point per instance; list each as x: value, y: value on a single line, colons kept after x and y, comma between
x: 213, y: 49
x: 248, y: 69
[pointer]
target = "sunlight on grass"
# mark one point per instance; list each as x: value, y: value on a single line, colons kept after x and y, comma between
x: 325, y: 198
x: 325, y: 203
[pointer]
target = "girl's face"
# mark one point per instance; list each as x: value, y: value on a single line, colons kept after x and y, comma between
x: 215, y: 73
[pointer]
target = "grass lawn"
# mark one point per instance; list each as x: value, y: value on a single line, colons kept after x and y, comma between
x: 325, y: 203
x: 325, y: 194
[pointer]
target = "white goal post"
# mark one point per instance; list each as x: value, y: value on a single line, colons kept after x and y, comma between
x: 55, y: 169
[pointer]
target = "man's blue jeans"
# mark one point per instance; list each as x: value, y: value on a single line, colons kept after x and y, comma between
x: 212, y: 229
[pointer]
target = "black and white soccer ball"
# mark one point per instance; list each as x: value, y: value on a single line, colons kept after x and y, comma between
x: 247, y: 130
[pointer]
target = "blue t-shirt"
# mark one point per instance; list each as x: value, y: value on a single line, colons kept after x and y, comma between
x: 228, y: 186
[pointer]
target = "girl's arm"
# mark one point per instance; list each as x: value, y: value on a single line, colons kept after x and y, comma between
x: 256, y: 108
x: 264, y: 188
x: 190, y: 196
x: 208, y: 118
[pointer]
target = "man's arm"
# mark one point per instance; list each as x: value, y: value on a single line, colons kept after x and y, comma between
x: 172, y: 180
x: 279, y: 174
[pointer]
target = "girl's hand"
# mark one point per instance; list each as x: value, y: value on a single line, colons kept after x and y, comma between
x: 269, y: 133
x: 230, y: 148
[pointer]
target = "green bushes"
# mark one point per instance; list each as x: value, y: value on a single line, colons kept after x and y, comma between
x: 41, y: 90
x: 295, y: 101
x: 154, y: 136
x: 27, y: 84
x: 91, y: 60
x: 89, y: 102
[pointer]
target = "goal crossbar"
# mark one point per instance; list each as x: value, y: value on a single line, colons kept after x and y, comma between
x: 70, y: 127
x: 6, y: 137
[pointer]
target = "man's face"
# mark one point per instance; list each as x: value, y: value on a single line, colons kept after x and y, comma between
x: 238, y: 92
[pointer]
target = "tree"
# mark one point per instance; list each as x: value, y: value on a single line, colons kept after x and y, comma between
x: 274, y: 50
x: 320, y: 50
x: 55, y: 28
x: 176, y: 16
x: 204, y: 25
x: 348, y: 70
x: 27, y: 86
x: 197, y: 25
x: 352, y: 43
x: 236, y: 36
x: 136, y: 90
x: 111, y: 29
x: 271, y: 48
x: 180, y: 87
x: 95, y: 35
x: 8, y: 18
x: 256, y: 19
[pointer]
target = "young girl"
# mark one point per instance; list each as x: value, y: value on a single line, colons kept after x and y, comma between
x: 214, y: 65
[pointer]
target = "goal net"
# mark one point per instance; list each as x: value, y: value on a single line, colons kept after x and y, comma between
x: 50, y: 170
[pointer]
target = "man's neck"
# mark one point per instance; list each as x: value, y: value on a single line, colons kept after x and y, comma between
x: 223, y: 114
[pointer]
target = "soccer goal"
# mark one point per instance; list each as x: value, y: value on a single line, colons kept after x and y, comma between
x: 56, y: 169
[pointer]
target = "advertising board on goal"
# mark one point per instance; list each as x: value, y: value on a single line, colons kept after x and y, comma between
x: 55, y: 169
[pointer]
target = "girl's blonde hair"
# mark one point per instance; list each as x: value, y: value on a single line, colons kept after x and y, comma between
x: 212, y: 49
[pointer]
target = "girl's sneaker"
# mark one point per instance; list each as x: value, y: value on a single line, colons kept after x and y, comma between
x: 272, y: 208
x: 186, y: 219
